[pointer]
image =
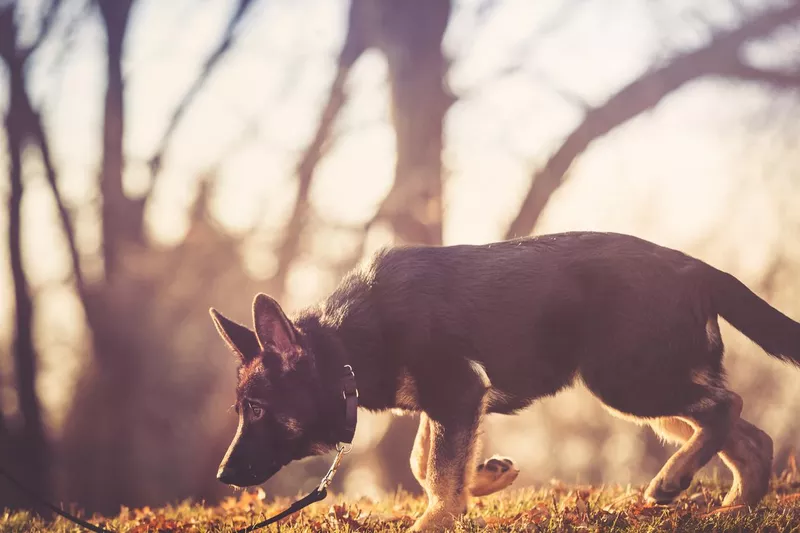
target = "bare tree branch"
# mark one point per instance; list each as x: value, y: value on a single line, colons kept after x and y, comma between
x: 32, y: 125
x: 352, y: 49
x: 414, y: 206
x: 183, y: 106
x: 644, y: 93
x: 516, y: 64
x: 44, y: 30
x: 34, y: 457
x: 122, y: 217
x: 68, y: 38
x: 63, y: 213
x: 783, y: 80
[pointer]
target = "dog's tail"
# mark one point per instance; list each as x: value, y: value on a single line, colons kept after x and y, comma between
x: 776, y: 333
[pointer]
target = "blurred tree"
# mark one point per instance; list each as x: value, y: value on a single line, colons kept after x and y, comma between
x: 410, y: 34
x: 355, y: 43
x: 122, y: 217
x: 23, y: 128
x: 148, y: 299
x: 722, y: 56
x: 212, y: 61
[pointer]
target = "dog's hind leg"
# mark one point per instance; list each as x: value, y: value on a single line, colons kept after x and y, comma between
x: 710, y: 420
x: 421, y: 450
x: 672, y: 429
x: 747, y: 453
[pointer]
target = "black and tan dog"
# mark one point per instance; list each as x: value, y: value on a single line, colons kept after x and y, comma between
x: 457, y: 332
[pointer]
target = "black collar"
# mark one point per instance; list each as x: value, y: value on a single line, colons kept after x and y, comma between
x: 347, y: 384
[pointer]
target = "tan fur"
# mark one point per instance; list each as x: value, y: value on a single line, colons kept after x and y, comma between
x: 704, y: 378
x: 713, y: 334
x: 406, y: 392
x: 481, y: 481
x: 236, y: 438
x: 672, y: 429
x: 497, y: 397
x: 480, y: 371
x: 446, y: 500
x: 489, y: 479
x: 442, y: 482
x: 291, y: 425
x: 444, y: 479
x: 685, y: 463
x: 624, y: 416
x: 421, y: 449
x: 320, y: 449
x: 747, y: 453
x: 494, y: 396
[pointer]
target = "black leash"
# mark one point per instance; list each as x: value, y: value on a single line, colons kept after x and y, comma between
x: 312, y: 497
x: 33, y: 496
x: 316, y: 495
x: 350, y: 395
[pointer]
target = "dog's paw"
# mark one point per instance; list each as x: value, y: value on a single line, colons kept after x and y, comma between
x: 434, y: 521
x: 660, y: 492
x: 494, y: 474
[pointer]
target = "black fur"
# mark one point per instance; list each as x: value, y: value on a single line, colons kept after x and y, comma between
x: 625, y: 315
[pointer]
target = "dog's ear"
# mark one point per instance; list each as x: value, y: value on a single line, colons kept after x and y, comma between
x: 273, y: 329
x: 240, y: 339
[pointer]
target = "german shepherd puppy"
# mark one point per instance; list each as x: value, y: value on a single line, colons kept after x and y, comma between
x: 460, y: 331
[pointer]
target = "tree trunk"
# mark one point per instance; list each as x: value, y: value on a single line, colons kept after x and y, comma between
x: 409, y: 33
x: 122, y: 217
x: 32, y: 456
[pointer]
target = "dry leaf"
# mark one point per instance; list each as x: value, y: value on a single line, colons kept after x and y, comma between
x: 790, y: 498
x: 724, y: 510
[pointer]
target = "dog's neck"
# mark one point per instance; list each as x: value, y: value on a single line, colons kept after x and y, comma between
x: 349, y: 342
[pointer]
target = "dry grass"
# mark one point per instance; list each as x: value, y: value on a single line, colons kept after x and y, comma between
x: 557, y: 507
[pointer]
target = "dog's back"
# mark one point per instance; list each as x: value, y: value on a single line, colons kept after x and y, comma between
x: 529, y: 310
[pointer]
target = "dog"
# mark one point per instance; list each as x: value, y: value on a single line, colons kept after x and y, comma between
x: 456, y: 332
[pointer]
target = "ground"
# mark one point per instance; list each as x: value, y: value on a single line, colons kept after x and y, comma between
x: 555, y: 507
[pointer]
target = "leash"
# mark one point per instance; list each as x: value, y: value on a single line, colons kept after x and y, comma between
x: 33, y: 496
x: 350, y: 396
x: 347, y: 432
x: 316, y: 495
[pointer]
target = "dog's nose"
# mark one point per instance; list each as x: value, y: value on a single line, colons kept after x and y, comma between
x: 226, y: 474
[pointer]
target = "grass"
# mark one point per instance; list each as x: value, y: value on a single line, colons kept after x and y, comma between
x: 557, y: 507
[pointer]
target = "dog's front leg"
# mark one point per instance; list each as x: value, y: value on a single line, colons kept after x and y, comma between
x: 450, y: 462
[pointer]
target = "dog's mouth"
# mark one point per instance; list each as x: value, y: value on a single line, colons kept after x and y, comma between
x: 263, y: 477
x: 252, y: 476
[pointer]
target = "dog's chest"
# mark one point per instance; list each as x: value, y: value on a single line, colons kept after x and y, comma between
x: 406, y: 397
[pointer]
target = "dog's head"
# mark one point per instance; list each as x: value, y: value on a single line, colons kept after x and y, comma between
x: 277, y: 396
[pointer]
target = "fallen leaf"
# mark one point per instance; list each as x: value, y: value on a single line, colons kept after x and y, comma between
x: 622, y: 499
x: 790, y: 498
x: 343, y: 515
x: 724, y: 510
